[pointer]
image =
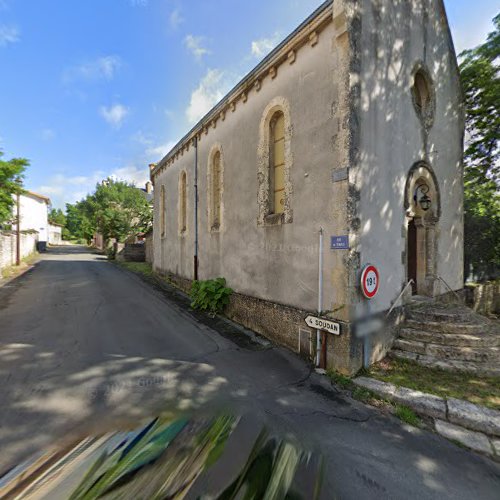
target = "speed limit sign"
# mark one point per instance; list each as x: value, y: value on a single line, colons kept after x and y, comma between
x: 369, y: 281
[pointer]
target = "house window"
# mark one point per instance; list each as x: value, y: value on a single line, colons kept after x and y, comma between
x: 183, y: 202
x: 215, y: 190
x: 163, y: 222
x: 277, y: 164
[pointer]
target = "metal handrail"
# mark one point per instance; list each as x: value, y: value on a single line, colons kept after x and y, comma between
x: 449, y: 288
x: 399, y: 296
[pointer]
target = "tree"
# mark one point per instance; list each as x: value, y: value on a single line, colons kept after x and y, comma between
x: 11, y: 176
x: 120, y: 210
x: 116, y: 209
x: 481, y: 84
x: 56, y: 216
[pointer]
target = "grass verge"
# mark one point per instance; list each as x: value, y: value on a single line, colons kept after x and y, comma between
x: 143, y: 268
x: 12, y: 271
x: 480, y: 390
x: 404, y: 413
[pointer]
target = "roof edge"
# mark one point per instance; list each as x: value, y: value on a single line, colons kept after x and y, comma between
x: 242, y: 85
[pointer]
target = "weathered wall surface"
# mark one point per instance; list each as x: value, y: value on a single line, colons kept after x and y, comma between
x: 55, y: 235
x: 34, y: 215
x: 8, y: 241
x: 393, y: 37
x: 277, y: 263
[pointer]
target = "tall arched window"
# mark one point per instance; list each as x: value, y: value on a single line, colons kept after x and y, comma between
x: 215, y: 193
x: 163, y: 222
x: 277, y: 164
x: 183, y: 203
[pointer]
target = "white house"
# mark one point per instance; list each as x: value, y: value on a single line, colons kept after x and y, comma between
x: 34, y: 214
x: 55, y: 234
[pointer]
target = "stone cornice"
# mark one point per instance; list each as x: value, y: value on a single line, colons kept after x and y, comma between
x: 286, y: 52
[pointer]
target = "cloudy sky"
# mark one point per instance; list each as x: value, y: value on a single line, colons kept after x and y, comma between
x: 91, y: 88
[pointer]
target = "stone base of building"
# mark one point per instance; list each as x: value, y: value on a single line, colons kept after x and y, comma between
x: 285, y: 326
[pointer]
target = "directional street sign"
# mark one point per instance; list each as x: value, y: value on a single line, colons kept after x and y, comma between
x: 323, y: 324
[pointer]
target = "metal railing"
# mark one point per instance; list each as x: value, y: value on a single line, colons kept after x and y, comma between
x: 449, y: 288
x: 399, y: 296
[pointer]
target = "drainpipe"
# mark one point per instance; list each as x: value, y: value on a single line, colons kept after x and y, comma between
x: 196, y: 208
x: 320, y: 295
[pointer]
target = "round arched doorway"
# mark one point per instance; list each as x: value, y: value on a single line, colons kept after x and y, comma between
x: 423, y: 210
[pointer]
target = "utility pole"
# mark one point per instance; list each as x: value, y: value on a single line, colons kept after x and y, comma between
x: 195, y: 209
x: 18, y: 240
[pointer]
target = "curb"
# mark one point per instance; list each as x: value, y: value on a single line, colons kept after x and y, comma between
x: 475, y: 427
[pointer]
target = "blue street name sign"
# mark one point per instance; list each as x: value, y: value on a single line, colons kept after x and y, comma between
x: 339, y: 243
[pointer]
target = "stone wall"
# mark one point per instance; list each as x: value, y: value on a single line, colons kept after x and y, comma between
x: 148, y: 247
x: 485, y: 298
x: 8, y: 240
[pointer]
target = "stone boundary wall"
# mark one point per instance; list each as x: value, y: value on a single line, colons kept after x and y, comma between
x: 474, y: 426
x: 148, y: 247
x: 8, y: 240
x: 285, y: 326
x: 485, y: 298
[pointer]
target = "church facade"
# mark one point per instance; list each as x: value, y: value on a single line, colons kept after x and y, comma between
x: 342, y: 148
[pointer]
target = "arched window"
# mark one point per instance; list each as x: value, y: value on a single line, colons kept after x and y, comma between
x: 183, y: 202
x: 422, y: 94
x: 277, y: 164
x: 424, y: 99
x: 215, y: 209
x: 163, y: 222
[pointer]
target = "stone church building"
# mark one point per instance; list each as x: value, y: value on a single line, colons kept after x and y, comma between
x: 354, y: 126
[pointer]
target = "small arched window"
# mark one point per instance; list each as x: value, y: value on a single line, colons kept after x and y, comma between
x: 183, y: 202
x: 422, y: 93
x: 277, y: 164
x: 424, y: 99
x: 163, y: 215
x: 215, y: 187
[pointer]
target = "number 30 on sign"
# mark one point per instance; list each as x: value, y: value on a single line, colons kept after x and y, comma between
x: 369, y: 281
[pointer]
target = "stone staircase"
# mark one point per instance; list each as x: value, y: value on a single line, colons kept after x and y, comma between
x: 449, y: 337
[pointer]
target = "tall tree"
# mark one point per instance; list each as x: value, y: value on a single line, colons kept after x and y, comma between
x: 11, y: 176
x: 120, y: 210
x: 481, y: 84
x: 56, y: 216
x: 116, y: 209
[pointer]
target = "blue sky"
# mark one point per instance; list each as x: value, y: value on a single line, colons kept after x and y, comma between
x: 91, y: 88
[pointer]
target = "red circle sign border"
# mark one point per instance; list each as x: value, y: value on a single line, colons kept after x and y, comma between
x: 366, y: 270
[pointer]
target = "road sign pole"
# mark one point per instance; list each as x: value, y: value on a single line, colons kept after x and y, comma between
x: 320, y: 294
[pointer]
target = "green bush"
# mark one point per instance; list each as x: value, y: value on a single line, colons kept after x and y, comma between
x: 210, y: 295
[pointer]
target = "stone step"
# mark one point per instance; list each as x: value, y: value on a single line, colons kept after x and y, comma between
x: 446, y: 315
x: 451, y: 339
x: 448, y: 365
x: 442, y: 327
x: 444, y: 352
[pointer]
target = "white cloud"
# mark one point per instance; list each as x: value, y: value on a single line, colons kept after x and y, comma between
x: 64, y: 189
x: 131, y: 173
x: 158, y: 152
x: 195, y: 46
x: 212, y: 88
x: 8, y: 34
x: 175, y: 19
x: 48, y: 134
x: 103, y: 68
x: 263, y: 46
x: 115, y: 114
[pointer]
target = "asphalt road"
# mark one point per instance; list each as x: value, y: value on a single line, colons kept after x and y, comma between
x: 85, y: 345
